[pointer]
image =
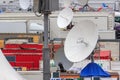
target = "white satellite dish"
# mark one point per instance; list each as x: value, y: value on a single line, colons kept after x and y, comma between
x: 59, y: 57
x: 36, y: 27
x: 83, y: 2
x: 24, y: 4
x: 64, y: 18
x: 7, y: 71
x: 80, y: 41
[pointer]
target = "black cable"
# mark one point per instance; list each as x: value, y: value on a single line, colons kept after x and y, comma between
x: 37, y: 14
x: 41, y: 7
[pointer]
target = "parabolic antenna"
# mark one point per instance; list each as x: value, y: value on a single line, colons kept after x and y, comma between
x: 24, y: 4
x: 83, y: 2
x: 80, y: 41
x: 60, y: 58
x: 7, y: 72
x: 64, y: 18
x: 36, y: 27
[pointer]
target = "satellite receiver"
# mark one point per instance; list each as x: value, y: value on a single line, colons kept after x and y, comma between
x: 24, y: 4
x: 65, y: 17
x: 80, y: 41
x: 59, y: 57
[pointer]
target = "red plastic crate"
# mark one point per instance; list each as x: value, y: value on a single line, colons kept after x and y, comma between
x: 12, y: 63
x: 27, y: 55
x: 103, y: 54
x: 20, y: 51
x: 34, y: 46
x: 30, y: 58
x: 26, y: 64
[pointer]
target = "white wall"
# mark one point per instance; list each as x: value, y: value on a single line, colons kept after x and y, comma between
x: 104, y: 21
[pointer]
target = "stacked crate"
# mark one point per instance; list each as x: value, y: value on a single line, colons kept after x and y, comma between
x: 24, y: 55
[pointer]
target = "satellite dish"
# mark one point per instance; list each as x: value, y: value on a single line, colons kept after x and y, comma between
x: 36, y: 27
x: 8, y: 73
x: 59, y: 57
x: 24, y: 4
x: 80, y: 41
x: 83, y: 2
x: 64, y: 18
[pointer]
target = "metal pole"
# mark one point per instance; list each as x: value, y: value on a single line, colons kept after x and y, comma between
x: 46, y: 50
x: 119, y: 50
x: 92, y: 57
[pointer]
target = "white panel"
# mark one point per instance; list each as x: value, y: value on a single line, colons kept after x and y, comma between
x: 115, y: 65
x: 101, y: 22
x: 107, y: 34
x: 12, y: 27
